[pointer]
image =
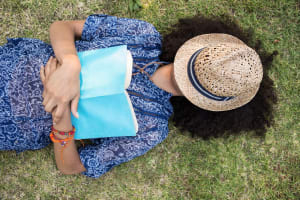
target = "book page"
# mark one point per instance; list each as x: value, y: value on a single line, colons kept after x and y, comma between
x: 128, y: 69
x: 132, y: 112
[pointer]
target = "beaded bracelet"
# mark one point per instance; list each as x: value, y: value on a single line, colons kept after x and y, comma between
x: 70, y: 133
x: 63, y: 142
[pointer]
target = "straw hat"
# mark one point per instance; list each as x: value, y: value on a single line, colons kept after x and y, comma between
x: 217, y: 72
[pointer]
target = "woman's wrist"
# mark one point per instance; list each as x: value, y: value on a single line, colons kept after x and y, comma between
x: 65, y: 124
x: 71, y: 60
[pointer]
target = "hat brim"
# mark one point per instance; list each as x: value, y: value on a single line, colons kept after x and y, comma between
x: 181, y: 76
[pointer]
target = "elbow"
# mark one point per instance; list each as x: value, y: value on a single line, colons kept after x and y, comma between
x: 72, y: 170
x: 56, y: 25
x: 53, y: 25
x: 68, y: 172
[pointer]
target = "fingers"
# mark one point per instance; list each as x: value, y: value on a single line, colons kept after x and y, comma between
x: 50, y: 67
x: 74, y: 106
x: 53, y: 114
x: 46, y: 97
x: 45, y: 73
x: 47, y: 68
x: 58, y: 88
x: 49, y: 105
x: 59, y: 113
x: 42, y: 74
x: 53, y: 65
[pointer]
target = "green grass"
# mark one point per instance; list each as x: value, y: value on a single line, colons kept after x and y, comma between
x: 236, y: 167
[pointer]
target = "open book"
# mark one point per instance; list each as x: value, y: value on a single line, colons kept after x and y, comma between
x: 104, y: 107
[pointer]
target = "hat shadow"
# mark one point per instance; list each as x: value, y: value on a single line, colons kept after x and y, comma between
x: 256, y: 116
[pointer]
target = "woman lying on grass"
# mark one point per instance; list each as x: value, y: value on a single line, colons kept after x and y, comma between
x: 216, y: 83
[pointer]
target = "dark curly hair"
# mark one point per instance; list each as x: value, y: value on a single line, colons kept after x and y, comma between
x: 255, y: 116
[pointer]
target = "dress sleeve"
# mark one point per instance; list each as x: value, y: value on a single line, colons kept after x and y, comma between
x: 98, y: 26
x: 103, y: 156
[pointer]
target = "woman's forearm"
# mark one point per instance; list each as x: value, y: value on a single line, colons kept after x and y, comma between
x: 67, y: 158
x: 62, y: 37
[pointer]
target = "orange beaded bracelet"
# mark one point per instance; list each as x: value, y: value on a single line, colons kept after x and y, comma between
x: 63, y: 142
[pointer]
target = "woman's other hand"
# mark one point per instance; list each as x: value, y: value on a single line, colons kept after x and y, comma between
x: 67, y: 157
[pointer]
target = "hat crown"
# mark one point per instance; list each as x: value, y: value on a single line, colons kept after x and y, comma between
x: 221, y: 64
x: 228, y: 69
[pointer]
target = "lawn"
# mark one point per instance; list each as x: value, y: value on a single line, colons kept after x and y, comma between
x: 241, y: 166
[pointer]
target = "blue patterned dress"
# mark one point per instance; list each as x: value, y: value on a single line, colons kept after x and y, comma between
x: 25, y: 125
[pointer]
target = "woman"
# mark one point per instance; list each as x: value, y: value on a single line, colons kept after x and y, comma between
x: 25, y: 124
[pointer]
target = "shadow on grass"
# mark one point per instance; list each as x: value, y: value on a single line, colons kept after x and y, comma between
x: 255, y: 116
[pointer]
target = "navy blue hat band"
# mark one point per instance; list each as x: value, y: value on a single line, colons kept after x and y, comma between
x: 197, y: 85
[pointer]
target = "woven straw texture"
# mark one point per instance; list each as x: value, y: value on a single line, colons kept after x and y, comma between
x: 226, y: 67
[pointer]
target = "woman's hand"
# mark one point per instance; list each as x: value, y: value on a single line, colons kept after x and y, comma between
x: 47, y: 70
x: 45, y: 74
x: 61, y: 85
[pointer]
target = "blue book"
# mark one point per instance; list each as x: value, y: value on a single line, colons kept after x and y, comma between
x: 104, y: 107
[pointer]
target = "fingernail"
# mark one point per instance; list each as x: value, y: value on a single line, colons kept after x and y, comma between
x: 77, y: 115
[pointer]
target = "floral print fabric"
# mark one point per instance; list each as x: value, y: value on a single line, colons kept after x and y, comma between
x: 25, y: 125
